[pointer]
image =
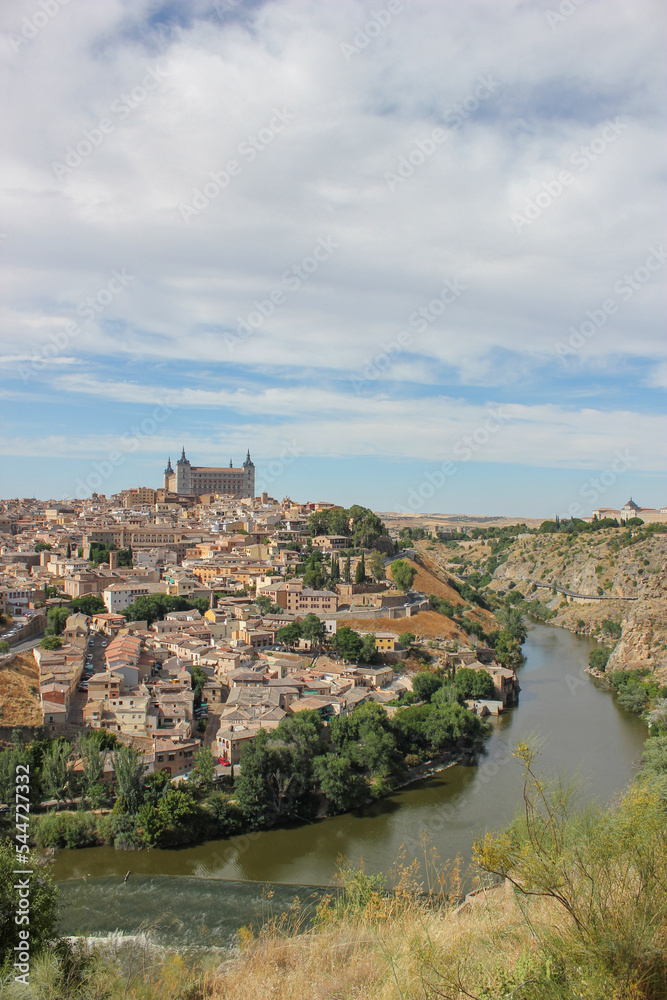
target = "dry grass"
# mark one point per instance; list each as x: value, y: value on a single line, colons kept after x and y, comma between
x: 412, y: 954
x: 428, y: 583
x: 18, y: 705
x: 425, y: 625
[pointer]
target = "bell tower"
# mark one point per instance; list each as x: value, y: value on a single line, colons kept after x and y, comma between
x: 248, y: 477
x: 183, y: 475
x: 167, y: 473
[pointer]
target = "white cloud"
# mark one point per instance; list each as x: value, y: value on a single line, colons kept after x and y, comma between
x: 335, y: 424
x: 218, y: 82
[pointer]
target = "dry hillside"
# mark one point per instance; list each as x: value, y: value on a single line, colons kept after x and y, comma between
x: 19, y: 691
x: 428, y: 583
x: 600, y: 564
x: 425, y: 625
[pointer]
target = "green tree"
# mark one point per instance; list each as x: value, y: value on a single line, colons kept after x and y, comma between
x: 329, y: 522
x: 155, y: 606
x: 264, y: 603
x: 277, y: 771
x: 347, y: 644
x: 10, y: 759
x: 89, y: 605
x: 43, y: 913
x: 334, y: 575
x: 177, y: 807
x: 199, y: 680
x: 403, y: 574
x: 314, y: 574
x: 347, y: 572
x: 512, y: 623
x: 433, y: 728
x: 313, y: 630
x: 253, y: 785
x: 508, y: 651
x: 129, y: 770
x: 4, y: 646
x: 597, y: 658
x: 654, y: 760
x: 42, y: 546
x: 368, y: 649
x: 451, y: 725
x: 367, y: 527
x: 612, y: 628
x: 360, y: 571
x: 51, y: 642
x: 56, y: 777
x: 406, y: 639
x: 56, y: 619
x: 599, y: 870
x: 367, y: 740
x: 227, y: 815
x: 204, y: 773
x: 473, y: 683
x: 155, y: 786
x: 376, y: 566
x: 343, y: 788
x: 289, y: 634
x: 151, y: 823
x: 425, y: 684
x: 93, y: 758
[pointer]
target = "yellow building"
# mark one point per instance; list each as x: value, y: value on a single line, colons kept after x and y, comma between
x: 386, y: 642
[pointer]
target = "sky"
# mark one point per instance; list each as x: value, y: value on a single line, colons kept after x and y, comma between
x: 410, y: 253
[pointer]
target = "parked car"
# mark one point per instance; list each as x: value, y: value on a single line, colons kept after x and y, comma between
x: 223, y: 761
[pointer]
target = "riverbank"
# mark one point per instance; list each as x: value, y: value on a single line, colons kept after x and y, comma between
x: 582, y: 730
x: 79, y: 829
x: 592, y: 931
x: 432, y: 767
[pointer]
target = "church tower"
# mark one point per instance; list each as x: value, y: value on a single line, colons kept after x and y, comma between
x: 248, y: 477
x: 183, y: 475
x: 167, y: 473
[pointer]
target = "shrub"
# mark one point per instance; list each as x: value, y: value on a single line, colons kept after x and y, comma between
x: 126, y: 835
x: 105, y: 830
x: 598, y: 659
x: 228, y: 818
x: 612, y: 628
x: 65, y: 830
x: 600, y: 868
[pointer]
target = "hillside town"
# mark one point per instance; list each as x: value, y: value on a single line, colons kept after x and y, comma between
x: 176, y: 620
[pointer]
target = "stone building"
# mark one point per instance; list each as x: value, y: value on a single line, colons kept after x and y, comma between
x: 199, y: 479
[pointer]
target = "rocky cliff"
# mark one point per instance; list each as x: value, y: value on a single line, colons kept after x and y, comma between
x: 612, y: 564
x: 608, y: 563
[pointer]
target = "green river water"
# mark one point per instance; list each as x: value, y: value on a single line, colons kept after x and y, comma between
x: 203, y: 894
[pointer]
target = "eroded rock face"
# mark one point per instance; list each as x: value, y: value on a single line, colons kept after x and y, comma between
x: 643, y: 642
x: 589, y: 562
x: 591, y: 565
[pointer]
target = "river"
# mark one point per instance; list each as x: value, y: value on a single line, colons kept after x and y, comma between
x: 221, y: 885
